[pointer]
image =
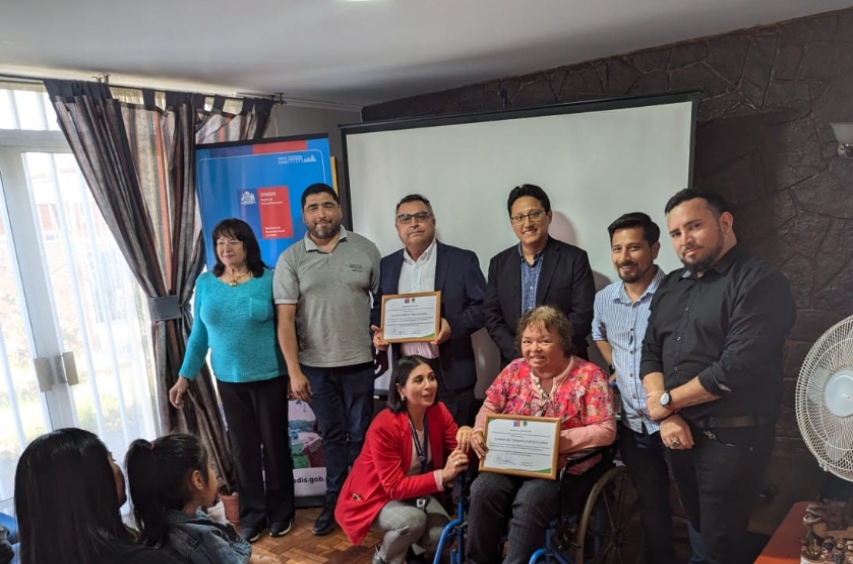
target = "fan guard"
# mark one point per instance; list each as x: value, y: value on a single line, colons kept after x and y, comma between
x: 824, y: 400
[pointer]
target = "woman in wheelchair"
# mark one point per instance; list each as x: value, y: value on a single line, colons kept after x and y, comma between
x: 410, y: 454
x: 548, y: 381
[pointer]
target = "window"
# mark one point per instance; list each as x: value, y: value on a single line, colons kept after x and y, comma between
x: 66, y: 293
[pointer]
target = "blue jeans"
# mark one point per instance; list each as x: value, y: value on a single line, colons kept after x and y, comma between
x: 342, y: 400
x: 647, y: 460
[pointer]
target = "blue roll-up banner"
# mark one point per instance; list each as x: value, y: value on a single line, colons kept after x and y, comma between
x: 261, y: 182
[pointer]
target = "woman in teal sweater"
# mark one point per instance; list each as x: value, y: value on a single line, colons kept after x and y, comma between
x: 235, y: 320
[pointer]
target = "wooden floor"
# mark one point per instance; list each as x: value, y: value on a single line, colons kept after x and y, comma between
x: 300, y: 545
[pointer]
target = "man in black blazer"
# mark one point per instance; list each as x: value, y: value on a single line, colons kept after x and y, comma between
x: 539, y: 270
x: 427, y: 265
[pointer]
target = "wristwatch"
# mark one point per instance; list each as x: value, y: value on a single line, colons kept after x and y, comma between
x: 666, y: 400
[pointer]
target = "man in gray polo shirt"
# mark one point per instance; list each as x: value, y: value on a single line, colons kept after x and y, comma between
x: 322, y: 287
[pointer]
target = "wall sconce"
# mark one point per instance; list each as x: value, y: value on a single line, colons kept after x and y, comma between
x: 844, y: 135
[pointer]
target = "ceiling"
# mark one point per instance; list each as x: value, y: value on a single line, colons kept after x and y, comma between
x: 351, y: 52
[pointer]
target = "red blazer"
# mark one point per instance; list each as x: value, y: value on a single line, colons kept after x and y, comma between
x: 379, y: 473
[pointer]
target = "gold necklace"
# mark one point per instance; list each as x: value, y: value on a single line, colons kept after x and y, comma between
x: 236, y: 279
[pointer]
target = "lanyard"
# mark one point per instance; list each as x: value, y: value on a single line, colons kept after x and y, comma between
x: 421, y: 449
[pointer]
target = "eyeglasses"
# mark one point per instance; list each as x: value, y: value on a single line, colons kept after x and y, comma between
x: 535, y: 217
x: 407, y: 218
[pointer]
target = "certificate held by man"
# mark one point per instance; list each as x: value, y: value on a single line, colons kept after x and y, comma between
x: 522, y: 446
x: 409, y: 318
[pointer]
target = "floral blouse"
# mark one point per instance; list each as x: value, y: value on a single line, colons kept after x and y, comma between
x: 582, y: 398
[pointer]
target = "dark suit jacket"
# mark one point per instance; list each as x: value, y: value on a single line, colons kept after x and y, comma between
x: 462, y: 285
x: 565, y: 282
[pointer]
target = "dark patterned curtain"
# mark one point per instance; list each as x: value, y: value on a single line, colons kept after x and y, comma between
x: 139, y: 162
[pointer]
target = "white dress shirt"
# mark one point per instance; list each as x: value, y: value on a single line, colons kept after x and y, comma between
x: 418, y: 276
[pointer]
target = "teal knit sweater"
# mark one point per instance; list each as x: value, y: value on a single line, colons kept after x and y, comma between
x: 237, y: 324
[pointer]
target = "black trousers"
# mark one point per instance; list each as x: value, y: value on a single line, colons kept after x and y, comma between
x: 645, y: 458
x: 460, y: 402
x: 526, y: 504
x: 256, y: 414
x: 718, y: 481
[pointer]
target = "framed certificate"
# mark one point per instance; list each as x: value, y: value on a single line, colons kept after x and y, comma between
x: 408, y: 318
x: 522, y: 446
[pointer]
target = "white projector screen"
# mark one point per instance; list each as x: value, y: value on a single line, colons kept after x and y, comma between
x: 595, y: 160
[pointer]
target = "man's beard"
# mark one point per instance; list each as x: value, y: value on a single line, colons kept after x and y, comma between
x: 325, y: 231
x: 631, y: 278
x: 704, y: 265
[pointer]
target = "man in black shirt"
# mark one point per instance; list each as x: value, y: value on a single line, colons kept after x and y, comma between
x: 712, y: 369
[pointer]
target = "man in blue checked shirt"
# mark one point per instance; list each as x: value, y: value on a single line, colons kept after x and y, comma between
x: 621, y: 316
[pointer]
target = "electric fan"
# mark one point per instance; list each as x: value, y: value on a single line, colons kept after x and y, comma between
x: 824, y: 405
x: 824, y: 400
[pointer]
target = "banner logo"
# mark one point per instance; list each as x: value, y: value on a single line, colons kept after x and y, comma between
x: 247, y: 198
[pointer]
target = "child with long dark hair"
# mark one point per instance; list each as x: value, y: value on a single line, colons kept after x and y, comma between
x: 68, y: 491
x: 170, y: 479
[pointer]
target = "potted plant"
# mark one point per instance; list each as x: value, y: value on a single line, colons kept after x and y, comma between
x: 228, y: 495
x: 231, y: 504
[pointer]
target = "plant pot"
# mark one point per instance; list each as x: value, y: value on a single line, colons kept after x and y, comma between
x: 231, y: 503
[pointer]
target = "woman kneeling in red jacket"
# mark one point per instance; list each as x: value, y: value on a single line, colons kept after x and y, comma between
x: 410, y: 454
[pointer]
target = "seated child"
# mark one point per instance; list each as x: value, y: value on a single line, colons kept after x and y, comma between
x: 169, y: 480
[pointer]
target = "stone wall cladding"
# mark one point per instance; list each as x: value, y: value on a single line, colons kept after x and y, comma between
x: 763, y: 141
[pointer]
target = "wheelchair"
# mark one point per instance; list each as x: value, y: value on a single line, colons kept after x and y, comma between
x: 598, y: 521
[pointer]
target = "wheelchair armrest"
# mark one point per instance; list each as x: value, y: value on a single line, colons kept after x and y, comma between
x: 461, y: 485
x: 586, y: 454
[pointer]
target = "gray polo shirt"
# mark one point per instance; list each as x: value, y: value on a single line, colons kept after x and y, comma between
x: 332, y: 296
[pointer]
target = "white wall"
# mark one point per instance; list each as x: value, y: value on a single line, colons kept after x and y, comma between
x: 594, y: 165
x: 290, y: 119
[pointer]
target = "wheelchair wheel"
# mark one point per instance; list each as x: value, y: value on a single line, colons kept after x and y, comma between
x: 609, y: 529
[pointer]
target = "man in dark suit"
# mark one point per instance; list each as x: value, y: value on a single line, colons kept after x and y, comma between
x: 427, y: 265
x: 539, y: 270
